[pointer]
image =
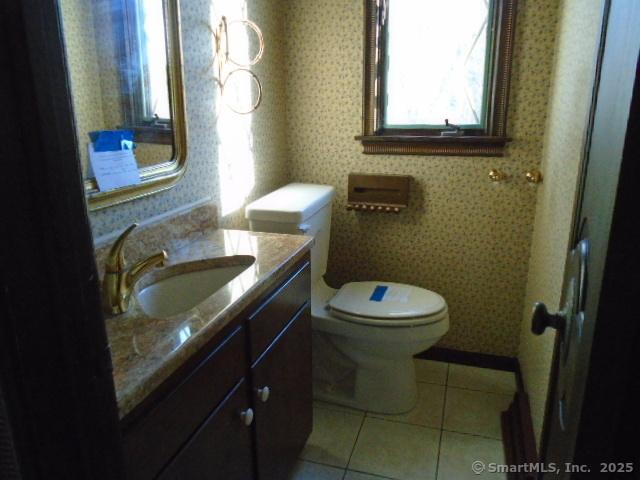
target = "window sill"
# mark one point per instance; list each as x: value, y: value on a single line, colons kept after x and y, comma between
x: 151, y: 134
x: 467, y: 146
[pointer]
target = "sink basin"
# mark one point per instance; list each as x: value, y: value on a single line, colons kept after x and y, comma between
x: 183, y: 286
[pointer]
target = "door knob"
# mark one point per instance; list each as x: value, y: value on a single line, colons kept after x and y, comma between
x: 541, y: 319
x: 247, y: 416
x: 263, y: 394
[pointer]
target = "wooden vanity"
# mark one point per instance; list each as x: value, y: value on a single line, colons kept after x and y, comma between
x: 222, y: 390
x: 241, y: 408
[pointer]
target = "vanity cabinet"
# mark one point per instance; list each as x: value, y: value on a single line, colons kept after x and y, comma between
x: 240, y: 410
x: 221, y: 447
x: 283, y: 393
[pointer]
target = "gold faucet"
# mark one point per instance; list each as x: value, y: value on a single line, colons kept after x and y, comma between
x: 118, y: 283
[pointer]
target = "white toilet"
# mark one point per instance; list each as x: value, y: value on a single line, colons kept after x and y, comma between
x: 365, y: 333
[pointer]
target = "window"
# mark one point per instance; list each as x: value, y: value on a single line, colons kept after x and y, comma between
x: 145, y: 82
x: 437, y: 76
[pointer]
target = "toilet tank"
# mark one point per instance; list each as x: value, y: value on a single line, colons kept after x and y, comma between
x: 297, y: 208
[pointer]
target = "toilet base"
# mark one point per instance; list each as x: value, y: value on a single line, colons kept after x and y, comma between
x: 367, y: 367
x: 391, y: 389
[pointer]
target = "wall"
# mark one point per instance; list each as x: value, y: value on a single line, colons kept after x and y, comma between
x: 462, y: 236
x: 84, y: 72
x: 231, y: 158
x: 572, y: 80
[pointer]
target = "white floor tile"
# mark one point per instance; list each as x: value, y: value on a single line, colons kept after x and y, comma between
x: 396, y: 450
x: 428, y: 410
x: 482, y: 379
x: 459, y: 451
x: 430, y: 371
x: 469, y: 411
x: 333, y: 436
x: 314, y: 471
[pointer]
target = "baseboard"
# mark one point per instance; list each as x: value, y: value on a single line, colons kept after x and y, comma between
x: 484, y: 360
x: 518, y: 438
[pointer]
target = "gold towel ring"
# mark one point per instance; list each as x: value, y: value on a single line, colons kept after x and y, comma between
x: 256, y: 80
x: 258, y: 32
x: 221, y: 37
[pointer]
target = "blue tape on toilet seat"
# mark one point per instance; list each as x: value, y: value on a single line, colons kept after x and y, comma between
x: 378, y: 293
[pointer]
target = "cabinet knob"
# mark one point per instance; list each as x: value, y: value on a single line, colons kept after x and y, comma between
x: 247, y: 416
x: 263, y: 394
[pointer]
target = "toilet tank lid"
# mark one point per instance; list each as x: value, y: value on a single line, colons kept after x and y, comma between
x: 293, y: 203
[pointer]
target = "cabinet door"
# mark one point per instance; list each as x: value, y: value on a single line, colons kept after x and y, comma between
x: 221, y: 448
x: 284, y: 417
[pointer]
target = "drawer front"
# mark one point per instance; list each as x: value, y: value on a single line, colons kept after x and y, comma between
x: 276, y: 312
x: 221, y: 448
x: 284, y: 418
x: 152, y: 441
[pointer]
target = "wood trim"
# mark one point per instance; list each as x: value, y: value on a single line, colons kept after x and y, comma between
x: 149, y: 134
x: 489, y: 142
x: 518, y: 438
x: 55, y: 366
x: 9, y: 469
x: 481, y: 146
x: 474, y: 359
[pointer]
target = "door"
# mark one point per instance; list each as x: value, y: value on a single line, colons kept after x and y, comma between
x: 222, y: 447
x: 596, y: 333
x: 283, y: 399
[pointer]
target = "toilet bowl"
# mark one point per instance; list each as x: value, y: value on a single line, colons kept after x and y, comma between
x: 365, y: 334
x: 381, y: 347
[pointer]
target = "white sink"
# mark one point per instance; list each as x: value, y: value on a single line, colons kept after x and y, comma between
x: 177, y: 292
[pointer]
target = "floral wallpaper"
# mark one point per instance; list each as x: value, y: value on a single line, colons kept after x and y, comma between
x: 569, y: 103
x: 462, y: 236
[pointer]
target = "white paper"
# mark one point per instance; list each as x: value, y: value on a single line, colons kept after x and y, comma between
x: 114, y: 169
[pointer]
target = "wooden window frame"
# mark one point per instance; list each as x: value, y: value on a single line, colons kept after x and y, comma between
x: 487, y: 142
x: 146, y: 129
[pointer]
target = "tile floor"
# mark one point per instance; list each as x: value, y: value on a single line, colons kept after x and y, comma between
x: 456, y: 421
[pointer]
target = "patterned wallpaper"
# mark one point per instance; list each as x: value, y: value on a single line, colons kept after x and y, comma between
x: 569, y: 104
x: 462, y: 236
x: 223, y: 148
x: 84, y: 72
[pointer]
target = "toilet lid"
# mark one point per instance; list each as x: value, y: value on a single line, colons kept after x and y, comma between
x: 386, y: 300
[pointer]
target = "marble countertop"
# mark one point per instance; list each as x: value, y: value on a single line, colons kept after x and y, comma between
x: 145, y: 351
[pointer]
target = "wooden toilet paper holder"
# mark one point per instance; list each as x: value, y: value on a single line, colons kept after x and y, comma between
x: 378, y: 193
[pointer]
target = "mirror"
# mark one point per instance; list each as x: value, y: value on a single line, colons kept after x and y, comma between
x: 125, y: 68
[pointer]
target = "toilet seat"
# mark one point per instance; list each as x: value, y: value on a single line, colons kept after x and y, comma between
x: 387, y: 304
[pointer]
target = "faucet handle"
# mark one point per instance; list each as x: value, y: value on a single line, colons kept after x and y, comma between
x: 115, y: 260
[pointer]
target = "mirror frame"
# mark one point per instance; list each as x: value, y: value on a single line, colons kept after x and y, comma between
x: 163, y: 176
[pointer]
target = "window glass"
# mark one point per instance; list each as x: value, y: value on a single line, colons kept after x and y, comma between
x: 153, y: 51
x: 436, y: 63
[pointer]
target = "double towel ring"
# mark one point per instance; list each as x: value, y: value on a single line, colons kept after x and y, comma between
x: 223, y: 58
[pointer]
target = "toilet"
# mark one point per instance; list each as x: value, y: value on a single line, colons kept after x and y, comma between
x: 365, y: 334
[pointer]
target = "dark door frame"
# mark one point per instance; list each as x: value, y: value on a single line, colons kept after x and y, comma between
x: 609, y: 417
x: 55, y: 366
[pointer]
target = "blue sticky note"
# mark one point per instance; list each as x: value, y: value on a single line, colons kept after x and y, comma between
x: 378, y: 293
x: 111, y: 140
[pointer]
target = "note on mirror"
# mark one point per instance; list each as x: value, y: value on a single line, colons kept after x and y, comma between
x: 114, y: 169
